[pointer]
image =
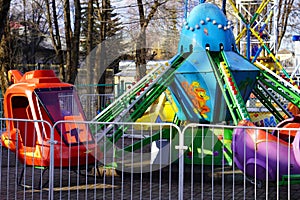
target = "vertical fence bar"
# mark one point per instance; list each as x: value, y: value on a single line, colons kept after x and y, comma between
x: 181, y: 168
x: 192, y: 168
x: 289, y: 167
x: 212, y: 167
x: 51, y: 167
x: 202, y: 163
x: 181, y: 148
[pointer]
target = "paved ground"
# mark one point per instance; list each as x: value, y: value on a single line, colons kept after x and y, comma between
x: 156, y: 185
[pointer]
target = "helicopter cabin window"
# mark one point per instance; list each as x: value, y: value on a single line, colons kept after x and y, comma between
x: 62, y: 104
x: 21, y: 110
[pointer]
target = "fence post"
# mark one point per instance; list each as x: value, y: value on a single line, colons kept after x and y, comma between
x: 181, y: 148
x: 51, y: 166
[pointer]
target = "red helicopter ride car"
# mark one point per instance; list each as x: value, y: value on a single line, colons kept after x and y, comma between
x: 39, y: 96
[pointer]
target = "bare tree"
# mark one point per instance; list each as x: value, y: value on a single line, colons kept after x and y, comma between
x: 72, y: 39
x: 68, y: 32
x: 141, y: 50
x: 4, y: 9
x: 75, y: 43
x: 292, y: 27
x: 170, y: 37
x: 5, y: 59
x: 55, y: 36
x: 284, y: 10
x: 89, y: 42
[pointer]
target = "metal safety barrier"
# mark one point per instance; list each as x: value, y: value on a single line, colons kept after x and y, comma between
x: 148, y: 160
x: 244, y: 162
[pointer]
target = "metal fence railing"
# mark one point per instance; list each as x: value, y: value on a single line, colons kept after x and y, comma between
x: 81, y: 160
x: 244, y: 162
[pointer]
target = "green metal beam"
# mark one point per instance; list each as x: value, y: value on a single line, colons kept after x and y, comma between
x: 139, y: 106
x: 267, y: 103
x: 280, y: 86
x: 228, y: 86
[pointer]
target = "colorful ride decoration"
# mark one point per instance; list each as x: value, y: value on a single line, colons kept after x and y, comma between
x: 40, y: 95
x: 268, y: 156
x: 199, y: 81
x: 160, y: 111
x: 211, y: 85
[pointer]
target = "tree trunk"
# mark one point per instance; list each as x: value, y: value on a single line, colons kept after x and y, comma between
x: 4, y: 62
x: 55, y: 38
x: 76, y: 38
x: 68, y: 35
x: 4, y: 9
x: 141, y: 51
x: 58, y: 49
x: 89, y: 46
x: 25, y: 50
